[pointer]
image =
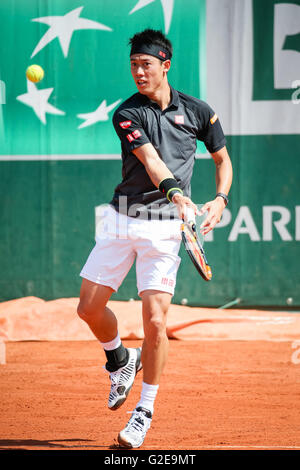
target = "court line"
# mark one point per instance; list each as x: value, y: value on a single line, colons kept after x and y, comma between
x: 108, y: 156
x: 29, y: 158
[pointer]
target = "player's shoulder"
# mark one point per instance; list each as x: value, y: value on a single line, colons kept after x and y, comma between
x: 130, y: 107
x: 199, y: 107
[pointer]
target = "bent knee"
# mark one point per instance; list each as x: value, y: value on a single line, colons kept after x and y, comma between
x: 93, y: 299
x: 87, y: 311
x: 80, y: 310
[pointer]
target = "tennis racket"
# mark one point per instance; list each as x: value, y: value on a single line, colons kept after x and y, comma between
x: 193, y: 245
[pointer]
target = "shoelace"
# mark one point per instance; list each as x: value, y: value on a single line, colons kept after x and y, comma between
x: 114, y: 376
x: 136, y: 422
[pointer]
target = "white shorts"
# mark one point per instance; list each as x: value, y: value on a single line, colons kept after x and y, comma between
x: 121, y: 240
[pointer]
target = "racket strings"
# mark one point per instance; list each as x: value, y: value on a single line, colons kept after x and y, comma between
x: 195, y: 251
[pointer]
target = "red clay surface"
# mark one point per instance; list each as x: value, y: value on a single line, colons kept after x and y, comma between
x: 213, y: 395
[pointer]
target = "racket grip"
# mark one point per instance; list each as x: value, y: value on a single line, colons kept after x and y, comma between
x: 190, y: 215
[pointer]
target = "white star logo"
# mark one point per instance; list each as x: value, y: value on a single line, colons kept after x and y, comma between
x: 167, y: 6
x: 38, y: 101
x: 101, y: 114
x: 63, y: 27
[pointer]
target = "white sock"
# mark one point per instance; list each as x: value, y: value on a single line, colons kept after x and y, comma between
x: 148, y: 396
x: 113, y: 344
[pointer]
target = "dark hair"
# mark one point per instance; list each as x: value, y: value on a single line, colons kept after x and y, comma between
x: 149, y: 37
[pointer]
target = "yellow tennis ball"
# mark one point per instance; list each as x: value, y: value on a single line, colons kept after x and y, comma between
x: 35, y: 73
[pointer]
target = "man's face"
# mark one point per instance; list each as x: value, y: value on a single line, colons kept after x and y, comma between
x: 148, y: 72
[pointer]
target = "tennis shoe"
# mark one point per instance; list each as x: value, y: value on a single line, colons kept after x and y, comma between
x: 134, y: 433
x: 123, y: 378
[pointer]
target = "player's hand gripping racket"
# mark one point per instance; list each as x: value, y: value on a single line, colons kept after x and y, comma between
x: 193, y: 245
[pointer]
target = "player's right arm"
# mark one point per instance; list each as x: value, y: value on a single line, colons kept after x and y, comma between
x: 158, y: 171
x: 154, y: 165
x: 128, y: 126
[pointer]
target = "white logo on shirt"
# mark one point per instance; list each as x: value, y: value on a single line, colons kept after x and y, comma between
x: 179, y: 119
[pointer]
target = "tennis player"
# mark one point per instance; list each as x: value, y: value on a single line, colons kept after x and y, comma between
x: 158, y: 128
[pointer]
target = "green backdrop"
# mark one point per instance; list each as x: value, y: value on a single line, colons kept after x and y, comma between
x: 60, y: 157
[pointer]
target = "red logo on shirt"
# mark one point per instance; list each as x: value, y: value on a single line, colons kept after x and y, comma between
x: 130, y: 137
x: 179, y: 119
x: 136, y: 134
x: 125, y: 124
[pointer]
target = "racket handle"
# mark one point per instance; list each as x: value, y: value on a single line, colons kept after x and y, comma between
x: 190, y: 215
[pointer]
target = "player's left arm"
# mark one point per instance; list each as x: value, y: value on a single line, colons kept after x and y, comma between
x: 215, y: 207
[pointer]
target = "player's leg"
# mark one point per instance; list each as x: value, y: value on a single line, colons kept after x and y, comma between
x: 155, y: 346
x: 106, y: 267
x: 157, y: 265
x: 93, y: 310
x: 122, y: 363
x: 154, y: 356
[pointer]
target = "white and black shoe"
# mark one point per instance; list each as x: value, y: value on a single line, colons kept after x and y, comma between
x: 123, y: 378
x: 134, y: 433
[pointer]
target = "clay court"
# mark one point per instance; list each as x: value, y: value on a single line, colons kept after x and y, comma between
x: 221, y: 389
x: 113, y: 115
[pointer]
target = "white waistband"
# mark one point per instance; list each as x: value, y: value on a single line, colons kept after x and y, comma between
x: 110, y: 223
